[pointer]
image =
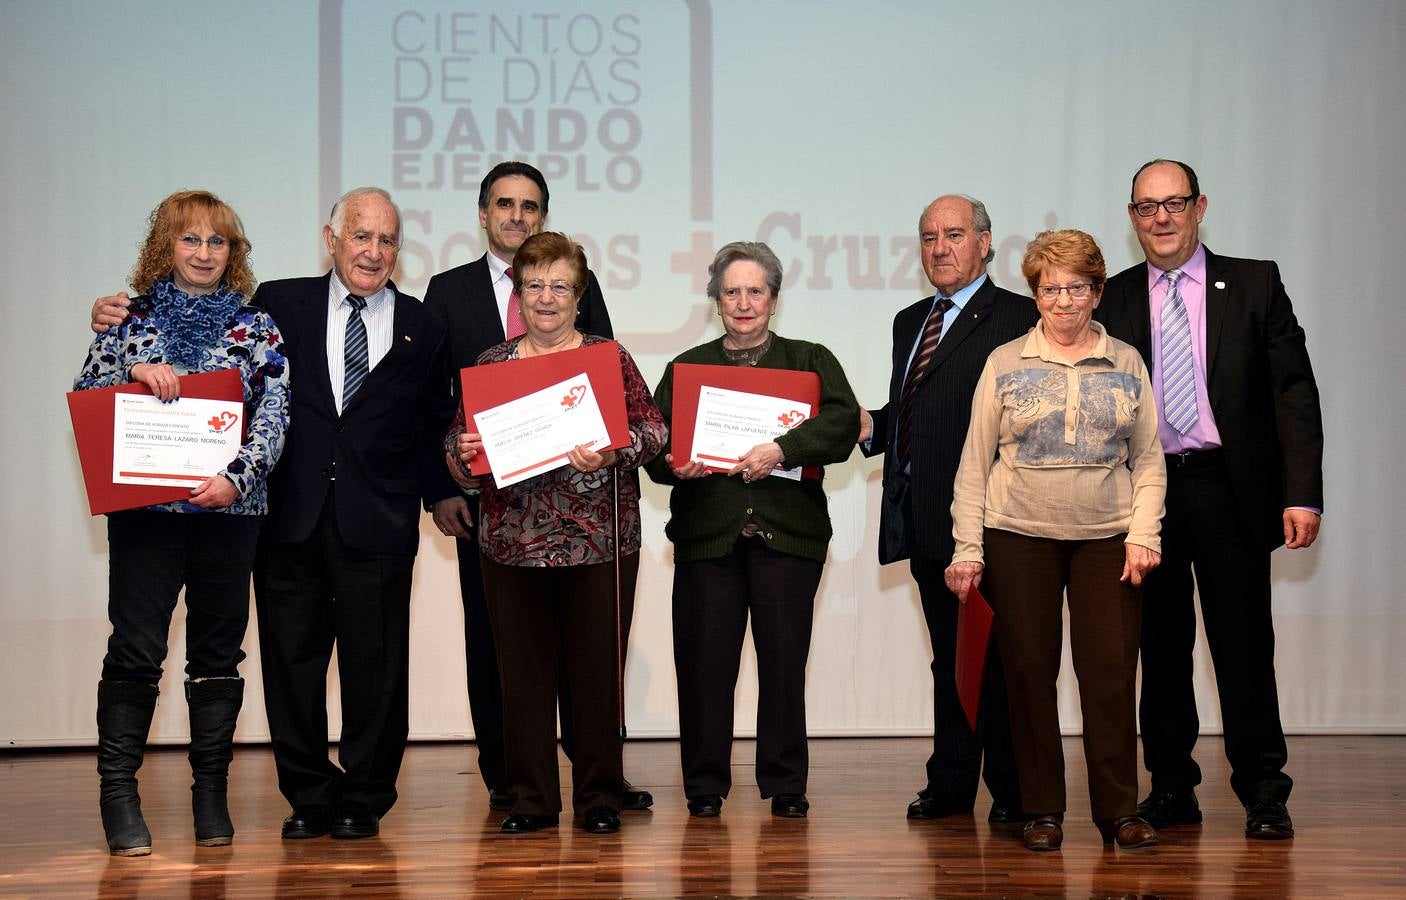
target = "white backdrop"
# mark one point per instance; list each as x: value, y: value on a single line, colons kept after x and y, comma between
x: 668, y: 128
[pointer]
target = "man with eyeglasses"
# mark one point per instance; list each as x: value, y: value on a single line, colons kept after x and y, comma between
x: 940, y: 345
x: 1243, y: 433
x: 476, y: 303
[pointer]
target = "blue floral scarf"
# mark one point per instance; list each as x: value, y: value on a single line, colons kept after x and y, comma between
x: 191, y: 325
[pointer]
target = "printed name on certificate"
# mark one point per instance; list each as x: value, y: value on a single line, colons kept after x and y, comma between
x: 177, y: 443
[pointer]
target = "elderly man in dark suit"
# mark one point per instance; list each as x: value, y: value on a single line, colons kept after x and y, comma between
x: 940, y: 345
x: 343, y: 527
x: 1243, y: 433
x: 473, y: 302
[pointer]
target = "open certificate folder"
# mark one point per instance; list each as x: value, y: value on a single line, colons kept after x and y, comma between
x: 531, y: 412
x: 721, y: 412
x: 136, y: 451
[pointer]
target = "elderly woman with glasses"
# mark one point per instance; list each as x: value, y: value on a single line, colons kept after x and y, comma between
x: 557, y: 550
x: 1060, y: 488
x: 192, y: 315
x: 750, y: 543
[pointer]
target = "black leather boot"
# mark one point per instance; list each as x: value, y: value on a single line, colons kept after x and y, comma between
x: 124, y: 718
x: 214, y: 707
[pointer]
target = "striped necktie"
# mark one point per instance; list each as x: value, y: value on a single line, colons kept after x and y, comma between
x: 917, y: 371
x: 357, y: 361
x: 1178, y: 365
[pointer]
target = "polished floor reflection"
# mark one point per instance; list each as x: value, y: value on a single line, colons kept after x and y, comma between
x: 441, y: 839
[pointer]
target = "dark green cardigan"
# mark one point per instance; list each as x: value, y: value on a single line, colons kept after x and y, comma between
x: 707, y: 514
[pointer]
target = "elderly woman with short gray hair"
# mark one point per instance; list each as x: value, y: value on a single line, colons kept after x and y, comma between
x: 747, y: 543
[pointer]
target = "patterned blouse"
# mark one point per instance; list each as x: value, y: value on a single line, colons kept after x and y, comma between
x: 252, y: 344
x: 563, y: 517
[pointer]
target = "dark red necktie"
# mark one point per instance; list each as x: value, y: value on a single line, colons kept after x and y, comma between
x: 922, y: 361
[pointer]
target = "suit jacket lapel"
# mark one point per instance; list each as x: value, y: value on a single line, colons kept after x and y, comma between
x: 312, y: 311
x: 482, y: 302
x: 1218, y: 287
x: 965, y: 324
x: 1137, y: 306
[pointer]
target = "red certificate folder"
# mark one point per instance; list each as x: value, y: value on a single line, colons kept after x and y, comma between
x: 92, y: 415
x: 691, y: 378
x: 493, y: 385
x: 973, y: 637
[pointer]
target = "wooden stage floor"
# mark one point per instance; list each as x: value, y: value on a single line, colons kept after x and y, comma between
x: 442, y: 840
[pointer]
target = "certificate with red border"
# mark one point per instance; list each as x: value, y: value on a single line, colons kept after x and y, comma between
x: 691, y: 378
x: 93, y: 415
x: 494, y: 384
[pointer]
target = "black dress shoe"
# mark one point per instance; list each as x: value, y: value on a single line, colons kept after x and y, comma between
x: 1168, y: 809
x: 790, y: 806
x: 1006, y: 815
x: 705, y: 806
x: 305, y: 822
x: 526, y: 823
x: 499, y: 800
x: 636, y: 799
x: 931, y: 805
x: 354, y: 820
x: 1268, y: 820
x: 601, y: 820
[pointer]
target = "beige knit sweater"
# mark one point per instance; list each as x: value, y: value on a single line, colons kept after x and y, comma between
x: 1061, y: 451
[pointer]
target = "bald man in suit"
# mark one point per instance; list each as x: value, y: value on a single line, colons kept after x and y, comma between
x: 1243, y: 433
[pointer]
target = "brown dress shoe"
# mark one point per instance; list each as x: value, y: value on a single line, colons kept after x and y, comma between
x: 1043, y: 833
x: 1129, y: 833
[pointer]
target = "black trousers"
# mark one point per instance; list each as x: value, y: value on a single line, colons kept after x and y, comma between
x: 712, y: 600
x: 1026, y: 579
x: 1204, y: 532
x: 956, y: 761
x: 310, y: 596
x: 551, y: 624
x: 485, y: 686
x: 152, y: 554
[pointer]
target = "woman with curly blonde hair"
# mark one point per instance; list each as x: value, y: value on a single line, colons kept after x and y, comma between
x: 192, y: 315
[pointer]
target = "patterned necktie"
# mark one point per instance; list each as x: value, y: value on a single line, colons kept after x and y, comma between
x: 517, y: 325
x: 1178, y: 365
x: 917, y: 371
x: 357, y: 360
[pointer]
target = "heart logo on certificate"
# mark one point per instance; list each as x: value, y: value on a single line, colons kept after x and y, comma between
x: 574, y: 397
x: 223, y: 422
x: 791, y: 419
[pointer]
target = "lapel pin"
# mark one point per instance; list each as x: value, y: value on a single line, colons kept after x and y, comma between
x: 1220, y: 285
x: 405, y: 337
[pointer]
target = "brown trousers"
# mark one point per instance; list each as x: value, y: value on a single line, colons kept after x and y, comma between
x: 1024, y: 580
x: 550, y: 625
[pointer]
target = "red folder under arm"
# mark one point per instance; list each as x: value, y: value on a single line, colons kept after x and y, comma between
x: 690, y: 379
x: 92, y: 415
x: 494, y: 384
x: 973, y: 637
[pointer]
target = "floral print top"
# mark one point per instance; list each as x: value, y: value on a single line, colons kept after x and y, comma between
x: 252, y: 344
x: 564, y: 517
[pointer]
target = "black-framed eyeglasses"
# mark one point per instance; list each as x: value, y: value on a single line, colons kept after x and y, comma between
x: 191, y: 242
x: 1080, y: 291
x: 559, y: 289
x: 1148, y: 208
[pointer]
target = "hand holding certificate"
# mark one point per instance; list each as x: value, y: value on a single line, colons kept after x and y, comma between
x: 723, y: 412
x: 532, y: 413
x: 535, y: 433
x: 137, y: 451
x: 730, y: 423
